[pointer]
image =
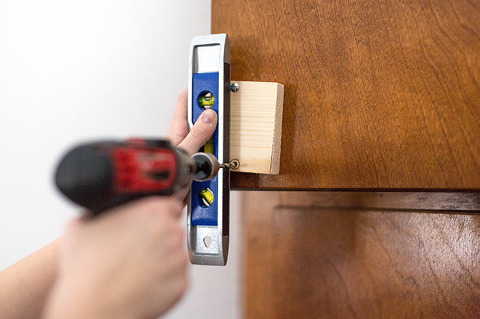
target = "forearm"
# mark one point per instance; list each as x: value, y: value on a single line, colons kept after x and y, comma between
x: 25, y: 286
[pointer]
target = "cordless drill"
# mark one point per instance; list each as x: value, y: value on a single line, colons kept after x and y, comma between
x: 105, y: 174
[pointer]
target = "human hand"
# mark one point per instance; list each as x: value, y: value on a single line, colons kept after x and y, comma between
x: 129, y: 262
x: 201, y: 131
x: 191, y: 141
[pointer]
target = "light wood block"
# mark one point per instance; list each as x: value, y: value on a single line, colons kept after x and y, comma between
x: 256, y: 126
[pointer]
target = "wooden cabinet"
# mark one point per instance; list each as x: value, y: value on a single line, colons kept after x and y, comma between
x: 323, y: 255
x: 380, y: 95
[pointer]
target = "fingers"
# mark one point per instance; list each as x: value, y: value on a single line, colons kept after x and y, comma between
x: 162, y: 205
x: 73, y: 226
x: 179, y: 126
x: 148, y: 207
x: 201, y: 132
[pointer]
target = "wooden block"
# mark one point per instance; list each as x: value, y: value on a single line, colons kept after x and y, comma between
x: 256, y: 126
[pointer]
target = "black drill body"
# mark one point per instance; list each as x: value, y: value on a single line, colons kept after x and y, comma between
x: 104, y: 174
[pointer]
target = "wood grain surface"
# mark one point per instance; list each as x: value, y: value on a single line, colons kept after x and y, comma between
x: 256, y: 126
x: 306, y: 258
x: 378, y: 94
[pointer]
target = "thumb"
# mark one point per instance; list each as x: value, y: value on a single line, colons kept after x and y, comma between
x: 201, y: 132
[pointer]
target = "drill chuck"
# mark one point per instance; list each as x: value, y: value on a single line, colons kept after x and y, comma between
x: 207, y: 167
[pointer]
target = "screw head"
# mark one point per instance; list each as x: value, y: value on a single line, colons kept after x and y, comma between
x: 234, y: 87
x: 234, y: 164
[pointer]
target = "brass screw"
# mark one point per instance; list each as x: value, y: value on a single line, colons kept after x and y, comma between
x: 234, y: 164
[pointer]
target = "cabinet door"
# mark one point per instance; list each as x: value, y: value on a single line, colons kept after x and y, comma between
x: 361, y: 255
x: 379, y: 94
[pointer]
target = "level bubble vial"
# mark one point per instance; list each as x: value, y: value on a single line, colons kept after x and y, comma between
x: 206, y: 99
x: 206, y: 197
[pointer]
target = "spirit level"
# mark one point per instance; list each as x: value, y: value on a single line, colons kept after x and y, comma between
x: 209, y: 203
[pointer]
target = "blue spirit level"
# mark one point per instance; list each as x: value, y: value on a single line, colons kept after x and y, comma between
x: 209, y: 203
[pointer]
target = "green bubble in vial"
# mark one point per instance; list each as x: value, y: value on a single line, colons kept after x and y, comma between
x: 209, y: 147
x: 206, y: 100
x: 206, y: 197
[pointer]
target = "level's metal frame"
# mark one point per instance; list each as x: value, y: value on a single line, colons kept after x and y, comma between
x: 217, y: 252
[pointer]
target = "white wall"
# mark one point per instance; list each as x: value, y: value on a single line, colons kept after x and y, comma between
x: 71, y: 71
